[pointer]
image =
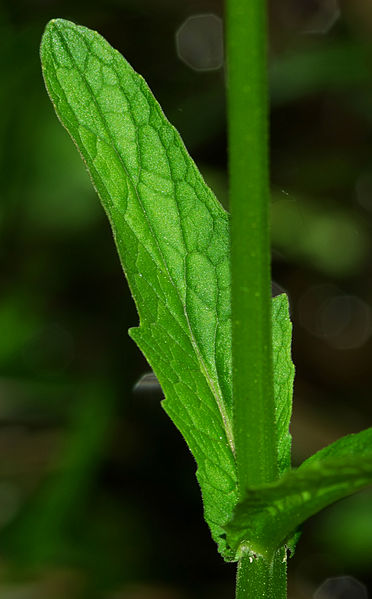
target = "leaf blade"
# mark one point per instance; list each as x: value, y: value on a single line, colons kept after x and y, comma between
x: 172, y: 237
x: 284, y: 372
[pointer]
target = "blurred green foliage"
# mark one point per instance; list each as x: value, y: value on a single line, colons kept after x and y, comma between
x: 84, y: 504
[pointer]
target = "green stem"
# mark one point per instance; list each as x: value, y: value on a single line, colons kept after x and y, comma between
x: 253, y: 389
x: 254, y: 425
x: 257, y: 579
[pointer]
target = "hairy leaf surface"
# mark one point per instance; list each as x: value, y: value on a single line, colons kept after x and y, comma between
x: 172, y: 237
x: 267, y: 517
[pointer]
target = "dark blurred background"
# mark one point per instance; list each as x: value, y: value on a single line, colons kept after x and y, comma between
x: 97, y: 491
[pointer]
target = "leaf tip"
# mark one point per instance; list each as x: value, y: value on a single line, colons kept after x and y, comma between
x: 55, y: 25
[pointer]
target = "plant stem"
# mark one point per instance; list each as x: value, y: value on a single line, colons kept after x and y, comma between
x: 253, y: 390
x: 257, y: 579
x: 254, y: 425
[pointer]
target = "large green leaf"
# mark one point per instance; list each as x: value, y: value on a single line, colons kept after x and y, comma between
x: 172, y: 236
x: 267, y: 517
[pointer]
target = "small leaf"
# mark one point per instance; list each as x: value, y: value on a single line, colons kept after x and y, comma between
x: 356, y: 445
x: 268, y: 516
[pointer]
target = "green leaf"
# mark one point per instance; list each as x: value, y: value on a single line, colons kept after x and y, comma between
x: 268, y: 516
x: 172, y: 237
x: 356, y: 445
x: 283, y: 378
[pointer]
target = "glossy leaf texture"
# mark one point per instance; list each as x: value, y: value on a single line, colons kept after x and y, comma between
x: 172, y: 237
x: 269, y: 516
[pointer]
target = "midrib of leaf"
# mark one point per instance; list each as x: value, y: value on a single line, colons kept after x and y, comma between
x: 216, y: 392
